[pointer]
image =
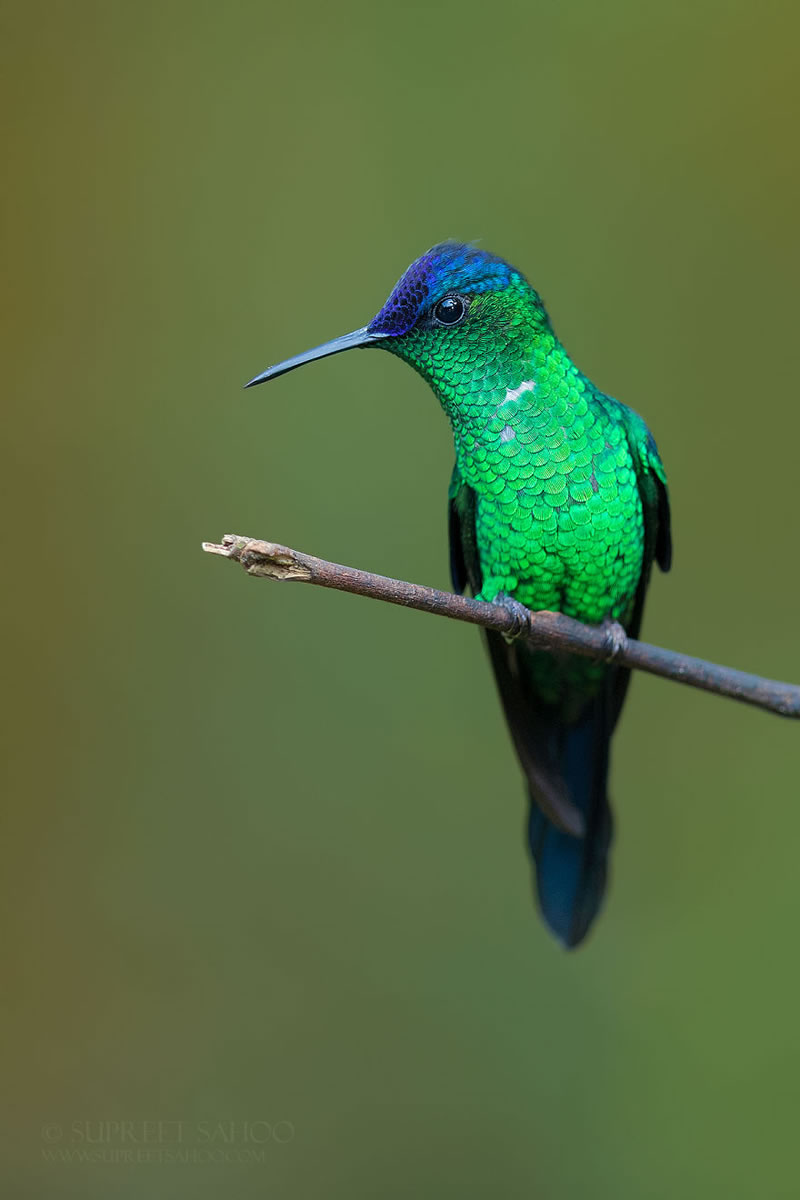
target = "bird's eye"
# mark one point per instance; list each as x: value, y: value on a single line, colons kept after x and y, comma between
x: 450, y: 311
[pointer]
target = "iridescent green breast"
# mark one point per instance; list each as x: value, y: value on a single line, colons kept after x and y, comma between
x: 559, y: 518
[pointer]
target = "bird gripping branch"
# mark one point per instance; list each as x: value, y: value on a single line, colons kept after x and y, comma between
x: 558, y: 500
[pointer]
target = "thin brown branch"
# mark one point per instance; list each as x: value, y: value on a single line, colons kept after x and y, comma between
x: 545, y: 630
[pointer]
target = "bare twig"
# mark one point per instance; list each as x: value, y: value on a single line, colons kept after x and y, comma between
x: 545, y: 630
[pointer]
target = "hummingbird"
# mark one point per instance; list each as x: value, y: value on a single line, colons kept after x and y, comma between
x: 558, y: 500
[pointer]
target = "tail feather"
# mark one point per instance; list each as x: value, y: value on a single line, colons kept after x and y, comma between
x: 571, y: 872
x: 563, y: 747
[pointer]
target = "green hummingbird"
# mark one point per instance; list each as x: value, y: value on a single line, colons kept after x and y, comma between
x: 558, y: 500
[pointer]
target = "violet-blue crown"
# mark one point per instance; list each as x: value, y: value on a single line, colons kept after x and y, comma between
x: 449, y: 267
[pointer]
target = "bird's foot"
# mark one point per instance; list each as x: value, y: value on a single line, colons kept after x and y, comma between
x: 616, y: 639
x: 520, y: 616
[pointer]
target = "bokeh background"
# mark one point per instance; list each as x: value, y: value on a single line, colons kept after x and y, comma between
x: 262, y: 857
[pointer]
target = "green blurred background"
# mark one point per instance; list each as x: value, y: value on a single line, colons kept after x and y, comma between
x: 262, y: 857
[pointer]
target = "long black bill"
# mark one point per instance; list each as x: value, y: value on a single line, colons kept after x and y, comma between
x: 360, y: 337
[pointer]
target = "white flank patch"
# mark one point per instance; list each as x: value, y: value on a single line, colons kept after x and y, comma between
x: 527, y: 385
x: 512, y: 395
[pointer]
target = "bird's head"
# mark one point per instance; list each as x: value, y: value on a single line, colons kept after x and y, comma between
x: 459, y: 315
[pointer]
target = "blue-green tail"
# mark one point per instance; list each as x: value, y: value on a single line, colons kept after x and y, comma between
x: 563, y: 748
x: 571, y: 872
